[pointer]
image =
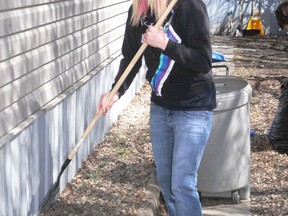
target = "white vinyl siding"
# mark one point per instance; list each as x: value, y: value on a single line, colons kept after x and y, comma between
x: 47, y: 48
x: 56, y: 59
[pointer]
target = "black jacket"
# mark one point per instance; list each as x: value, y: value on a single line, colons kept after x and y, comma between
x: 188, y: 84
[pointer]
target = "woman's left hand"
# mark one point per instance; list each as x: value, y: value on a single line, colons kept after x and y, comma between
x: 156, y: 37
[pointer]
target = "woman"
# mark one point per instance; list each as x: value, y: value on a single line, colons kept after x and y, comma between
x: 178, y: 59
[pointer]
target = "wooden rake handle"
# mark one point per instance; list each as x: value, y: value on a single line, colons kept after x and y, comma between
x: 121, y: 80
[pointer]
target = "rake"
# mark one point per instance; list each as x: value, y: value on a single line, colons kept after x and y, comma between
x: 50, y: 198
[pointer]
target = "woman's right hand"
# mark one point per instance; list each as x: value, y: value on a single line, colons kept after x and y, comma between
x: 102, y: 103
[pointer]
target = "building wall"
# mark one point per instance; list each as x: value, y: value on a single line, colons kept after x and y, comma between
x: 226, y: 15
x: 47, y: 47
x: 57, y: 57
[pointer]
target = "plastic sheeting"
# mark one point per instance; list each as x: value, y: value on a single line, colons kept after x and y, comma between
x: 278, y: 134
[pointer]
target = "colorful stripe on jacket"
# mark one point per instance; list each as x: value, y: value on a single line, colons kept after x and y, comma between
x: 166, y: 64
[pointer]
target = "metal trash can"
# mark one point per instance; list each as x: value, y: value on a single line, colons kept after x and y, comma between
x: 225, y: 166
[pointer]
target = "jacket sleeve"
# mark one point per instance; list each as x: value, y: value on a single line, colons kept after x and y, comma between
x: 130, y: 46
x: 192, y: 24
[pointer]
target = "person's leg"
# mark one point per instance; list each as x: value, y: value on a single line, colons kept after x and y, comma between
x: 162, y: 139
x: 191, y: 130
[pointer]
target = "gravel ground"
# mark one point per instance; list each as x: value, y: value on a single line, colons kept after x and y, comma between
x: 112, y: 180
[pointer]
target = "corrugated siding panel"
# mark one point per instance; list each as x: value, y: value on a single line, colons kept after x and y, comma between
x: 47, y: 47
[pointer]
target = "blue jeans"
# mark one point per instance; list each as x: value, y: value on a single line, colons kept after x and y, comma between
x: 178, y: 140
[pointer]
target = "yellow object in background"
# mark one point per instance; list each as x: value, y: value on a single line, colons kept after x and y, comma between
x: 255, y: 23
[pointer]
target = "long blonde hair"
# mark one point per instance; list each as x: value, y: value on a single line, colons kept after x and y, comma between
x: 141, y: 7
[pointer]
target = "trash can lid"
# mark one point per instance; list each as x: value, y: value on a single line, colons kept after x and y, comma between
x: 229, y: 84
x: 231, y: 92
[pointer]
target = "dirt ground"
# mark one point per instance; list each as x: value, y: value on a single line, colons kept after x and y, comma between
x: 113, y: 179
